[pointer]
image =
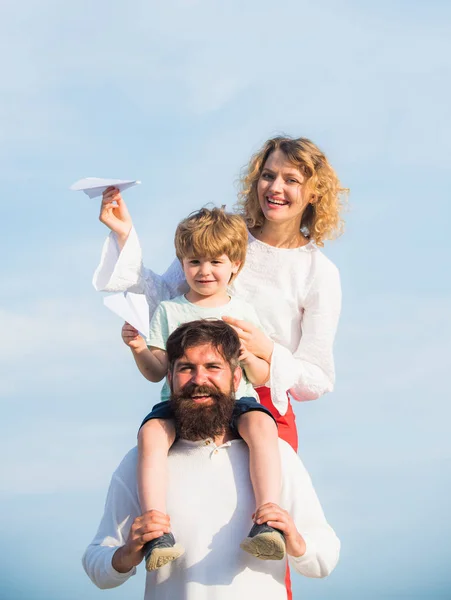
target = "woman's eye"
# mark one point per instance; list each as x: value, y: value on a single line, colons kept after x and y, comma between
x: 292, y: 181
x: 266, y: 176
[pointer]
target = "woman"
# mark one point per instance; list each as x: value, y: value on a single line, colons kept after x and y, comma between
x: 290, y: 200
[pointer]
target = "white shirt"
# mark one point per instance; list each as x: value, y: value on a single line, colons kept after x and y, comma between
x: 295, y: 292
x: 210, y: 502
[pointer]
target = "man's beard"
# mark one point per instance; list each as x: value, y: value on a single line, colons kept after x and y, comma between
x: 197, y: 421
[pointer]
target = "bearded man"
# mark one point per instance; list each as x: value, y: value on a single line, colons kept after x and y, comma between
x: 210, y: 498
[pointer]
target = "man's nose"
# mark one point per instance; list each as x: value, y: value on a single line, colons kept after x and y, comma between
x: 199, y: 376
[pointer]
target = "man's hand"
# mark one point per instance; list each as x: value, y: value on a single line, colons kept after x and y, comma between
x: 145, y: 528
x: 114, y: 214
x: 131, y: 337
x: 278, y: 518
x: 252, y: 338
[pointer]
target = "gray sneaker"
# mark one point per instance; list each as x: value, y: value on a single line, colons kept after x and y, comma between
x: 162, y: 550
x: 264, y: 542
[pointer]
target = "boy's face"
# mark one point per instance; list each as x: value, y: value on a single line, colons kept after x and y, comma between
x: 209, y: 276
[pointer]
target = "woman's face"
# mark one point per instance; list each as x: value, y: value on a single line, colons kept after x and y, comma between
x: 280, y: 190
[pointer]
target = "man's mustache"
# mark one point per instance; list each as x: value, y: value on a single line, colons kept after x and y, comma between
x: 192, y: 389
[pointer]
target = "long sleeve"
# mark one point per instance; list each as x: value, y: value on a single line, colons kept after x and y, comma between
x: 120, y: 271
x: 323, y: 545
x: 309, y: 372
x: 120, y: 511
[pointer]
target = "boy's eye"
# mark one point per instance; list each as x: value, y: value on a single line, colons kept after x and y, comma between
x: 193, y: 262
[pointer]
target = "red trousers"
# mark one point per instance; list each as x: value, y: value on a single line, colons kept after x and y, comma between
x: 286, y: 425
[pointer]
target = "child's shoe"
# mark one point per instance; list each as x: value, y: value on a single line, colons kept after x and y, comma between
x: 160, y: 551
x: 265, y: 542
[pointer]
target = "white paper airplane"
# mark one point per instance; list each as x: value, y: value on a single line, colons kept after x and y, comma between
x: 132, y: 308
x: 95, y: 186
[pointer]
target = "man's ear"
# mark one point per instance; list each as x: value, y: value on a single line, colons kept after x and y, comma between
x: 169, y: 378
x: 237, y: 377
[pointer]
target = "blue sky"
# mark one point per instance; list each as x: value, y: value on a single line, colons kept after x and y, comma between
x: 179, y: 94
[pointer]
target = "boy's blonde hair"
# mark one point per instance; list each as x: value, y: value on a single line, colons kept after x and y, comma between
x: 321, y: 219
x: 210, y: 233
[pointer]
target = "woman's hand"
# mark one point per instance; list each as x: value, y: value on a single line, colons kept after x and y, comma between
x: 252, y: 338
x: 280, y: 519
x: 114, y: 214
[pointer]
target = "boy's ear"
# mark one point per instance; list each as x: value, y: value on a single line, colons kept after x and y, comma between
x: 235, y: 267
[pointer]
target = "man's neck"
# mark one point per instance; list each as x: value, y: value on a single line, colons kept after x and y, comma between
x: 224, y: 437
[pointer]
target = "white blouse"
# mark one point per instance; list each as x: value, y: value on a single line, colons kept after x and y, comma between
x: 296, y: 293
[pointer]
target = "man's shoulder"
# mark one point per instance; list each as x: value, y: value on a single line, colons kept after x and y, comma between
x: 126, y: 470
x: 290, y: 460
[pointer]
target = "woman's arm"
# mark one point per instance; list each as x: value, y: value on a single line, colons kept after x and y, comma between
x: 309, y: 372
x: 121, y: 267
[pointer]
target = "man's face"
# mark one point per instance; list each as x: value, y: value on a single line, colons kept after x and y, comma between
x: 203, y: 390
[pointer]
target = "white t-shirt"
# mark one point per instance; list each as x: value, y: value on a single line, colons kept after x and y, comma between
x: 210, y: 502
x: 172, y: 313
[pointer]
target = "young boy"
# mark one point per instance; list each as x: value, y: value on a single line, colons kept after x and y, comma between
x: 211, y: 245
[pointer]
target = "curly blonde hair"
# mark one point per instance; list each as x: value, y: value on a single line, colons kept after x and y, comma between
x: 321, y: 219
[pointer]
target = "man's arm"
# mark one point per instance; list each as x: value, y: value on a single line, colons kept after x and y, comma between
x: 145, y: 528
x: 117, y: 548
x: 121, y: 509
x: 312, y: 545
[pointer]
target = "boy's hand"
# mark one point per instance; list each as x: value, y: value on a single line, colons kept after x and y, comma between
x: 131, y: 337
x: 114, y: 214
x: 252, y: 338
x: 245, y: 355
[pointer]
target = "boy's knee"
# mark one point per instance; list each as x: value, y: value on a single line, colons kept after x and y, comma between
x: 257, y: 420
x: 156, y: 427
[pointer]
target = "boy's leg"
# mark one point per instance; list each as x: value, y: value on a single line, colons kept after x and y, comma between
x: 259, y: 431
x: 155, y: 438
